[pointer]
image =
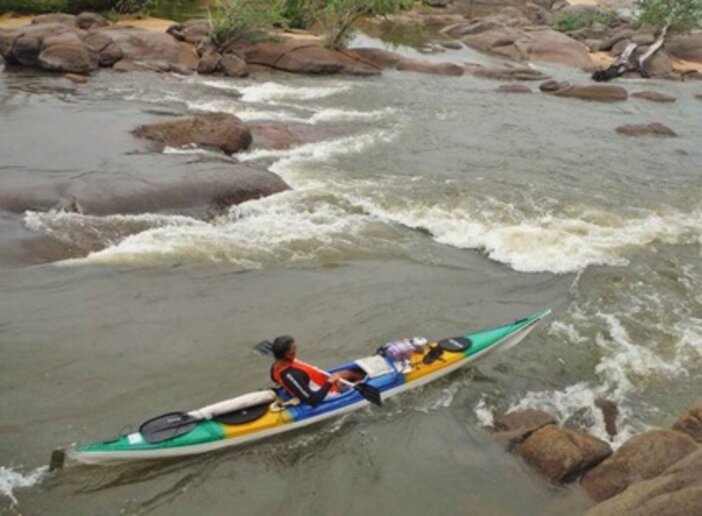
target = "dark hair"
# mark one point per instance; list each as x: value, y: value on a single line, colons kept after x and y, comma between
x: 281, y: 345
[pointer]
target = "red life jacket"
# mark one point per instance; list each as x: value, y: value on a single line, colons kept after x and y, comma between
x: 317, y: 377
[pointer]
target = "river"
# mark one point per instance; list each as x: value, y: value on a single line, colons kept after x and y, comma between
x: 436, y: 206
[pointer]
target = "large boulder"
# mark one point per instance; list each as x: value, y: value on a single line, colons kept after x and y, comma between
x: 28, y: 41
x: 146, y: 47
x: 658, y: 65
x: 225, y: 132
x: 512, y: 428
x: 677, y: 491
x: 651, y: 129
x: 594, y: 92
x: 301, y: 57
x: 209, y: 63
x: 687, y: 47
x: 87, y: 21
x: 691, y: 421
x: 641, y: 457
x: 101, y: 42
x: 233, y: 66
x: 561, y: 455
x: 192, y: 31
x: 67, y: 53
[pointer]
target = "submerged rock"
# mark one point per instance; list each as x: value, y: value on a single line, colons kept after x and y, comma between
x: 223, y: 131
x: 677, y: 491
x: 505, y: 73
x: 610, y: 413
x: 514, y: 88
x: 652, y: 129
x: 595, y: 92
x: 561, y: 455
x: 653, y: 96
x: 642, y: 457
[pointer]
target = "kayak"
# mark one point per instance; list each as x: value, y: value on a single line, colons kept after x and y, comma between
x: 269, y: 412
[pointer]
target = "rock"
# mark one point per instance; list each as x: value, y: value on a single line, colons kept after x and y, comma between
x: 687, y: 47
x: 561, y: 455
x: 499, y: 40
x: 209, y: 63
x: 690, y: 422
x: 652, y: 129
x: 272, y: 135
x: 658, y: 65
x: 26, y: 50
x: 677, y: 491
x: 378, y: 57
x: 88, y: 21
x: 222, y: 131
x: 451, y: 45
x: 301, y: 57
x: 698, y: 96
x: 67, y: 53
x: 149, y: 48
x: 641, y: 457
x: 511, y: 429
x: 7, y: 39
x: 553, y: 85
x: 616, y: 38
x: 192, y: 31
x: 234, y: 66
x: 595, y: 92
x: 610, y: 413
x: 514, y: 88
x: 653, y: 96
x: 76, y: 78
x: 643, y: 38
x: 60, y: 18
x: 517, y: 73
x: 415, y: 65
x: 619, y: 47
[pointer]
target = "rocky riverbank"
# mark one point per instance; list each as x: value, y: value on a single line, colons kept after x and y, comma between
x: 658, y: 472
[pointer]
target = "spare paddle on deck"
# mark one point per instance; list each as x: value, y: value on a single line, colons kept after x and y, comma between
x: 368, y: 392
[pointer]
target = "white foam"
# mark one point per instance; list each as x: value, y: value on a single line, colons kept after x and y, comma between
x: 349, y: 115
x: 484, y: 413
x: 558, y: 244
x: 273, y: 91
x: 10, y: 479
x: 244, y: 112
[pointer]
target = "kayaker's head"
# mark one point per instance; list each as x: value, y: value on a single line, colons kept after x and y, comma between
x: 284, y: 348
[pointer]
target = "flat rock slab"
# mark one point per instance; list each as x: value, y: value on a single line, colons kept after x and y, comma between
x: 653, y: 96
x: 677, y: 491
x: 561, y: 455
x: 652, y: 129
x: 514, y: 88
x: 642, y: 457
x: 596, y: 93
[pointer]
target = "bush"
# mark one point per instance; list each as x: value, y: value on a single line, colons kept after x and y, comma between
x: 244, y: 19
x: 574, y: 19
x: 72, y: 6
x: 679, y: 15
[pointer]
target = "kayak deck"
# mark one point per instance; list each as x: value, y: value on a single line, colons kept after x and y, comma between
x: 211, y: 434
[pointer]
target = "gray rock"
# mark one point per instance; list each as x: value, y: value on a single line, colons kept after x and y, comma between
x: 234, y: 66
x: 690, y: 422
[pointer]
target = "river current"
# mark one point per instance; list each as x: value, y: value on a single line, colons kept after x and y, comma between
x: 433, y: 206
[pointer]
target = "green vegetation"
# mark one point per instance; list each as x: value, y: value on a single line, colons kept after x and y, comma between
x: 336, y: 18
x: 679, y: 16
x: 71, y: 6
x: 245, y: 19
x: 573, y: 19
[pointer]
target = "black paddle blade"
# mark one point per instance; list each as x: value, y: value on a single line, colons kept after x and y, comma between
x: 265, y: 347
x: 369, y: 392
x: 167, y: 426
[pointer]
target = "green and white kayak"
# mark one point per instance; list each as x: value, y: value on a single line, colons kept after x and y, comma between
x: 269, y: 412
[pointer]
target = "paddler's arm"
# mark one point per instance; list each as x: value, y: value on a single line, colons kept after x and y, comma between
x: 298, y: 382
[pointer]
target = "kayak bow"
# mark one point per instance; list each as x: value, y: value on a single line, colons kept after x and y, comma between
x: 212, y: 429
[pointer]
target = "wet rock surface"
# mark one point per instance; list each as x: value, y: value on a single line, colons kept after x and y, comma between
x: 653, y: 96
x: 651, y: 129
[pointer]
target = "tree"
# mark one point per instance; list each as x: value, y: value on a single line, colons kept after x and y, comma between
x: 679, y: 16
x: 336, y: 17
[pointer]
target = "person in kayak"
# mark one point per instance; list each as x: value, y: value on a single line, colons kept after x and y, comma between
x: 304, y: 381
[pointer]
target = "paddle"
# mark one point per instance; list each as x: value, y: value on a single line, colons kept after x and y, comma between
x: 167, y: 426
x: 367, y: 391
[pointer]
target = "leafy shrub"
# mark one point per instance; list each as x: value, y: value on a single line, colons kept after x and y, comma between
x: 680, y: 15
x: 244, y: 19
x: 573, y: 20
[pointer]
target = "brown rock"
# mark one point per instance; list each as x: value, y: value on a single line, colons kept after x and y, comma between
x: 192, y: 31
x: 511, y: 429
x: 619, y: 47
x: 610, y: 413
x: 67, y: 53
x: 561, y: 455
x: 415, y: 65
x: 653, y: 96
x: 641, y: 457
x: 652, y: 129
x: 616, y: 38
x: 688, y: 47
x: 553, y: 47
x: 234, y: 66
x: 378, y: 57
x: 690, y: 422
x: 223, y: 131
x: 553, y: 85
x: 149, y: 48
x: 7, y: 38
x: 514, y: 88
x: 26, y: 50
x: 677, y: 491
x: 88, y: 21
x: 273, y: 135
x: 595, y: 92
x: 209, y: 63
x: 517, y: 73
x: 76, y: 78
